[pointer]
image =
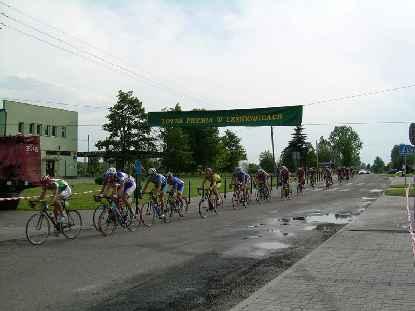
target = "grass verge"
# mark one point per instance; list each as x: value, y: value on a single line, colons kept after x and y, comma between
x: 399, y: 191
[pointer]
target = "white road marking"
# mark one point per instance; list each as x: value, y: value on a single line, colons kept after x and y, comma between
x: 375, y: 190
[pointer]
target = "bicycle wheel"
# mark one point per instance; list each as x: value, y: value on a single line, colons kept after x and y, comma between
x: 203, y: 208
x: 37, y: 228
x: 235, y: 200
x: 72, y: 225
x: 180, y: 207
x: 107, y: 221
x: 158, y: 216
x: 96, y: 214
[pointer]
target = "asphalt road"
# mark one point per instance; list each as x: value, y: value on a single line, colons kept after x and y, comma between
x: 188, y: 264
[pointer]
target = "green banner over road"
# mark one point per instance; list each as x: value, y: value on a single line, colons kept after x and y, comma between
x: 276, y: 116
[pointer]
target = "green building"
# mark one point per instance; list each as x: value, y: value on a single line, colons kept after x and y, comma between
x: 57, y: 128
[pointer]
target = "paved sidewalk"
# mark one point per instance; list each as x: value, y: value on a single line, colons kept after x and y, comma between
x: 366, y: 266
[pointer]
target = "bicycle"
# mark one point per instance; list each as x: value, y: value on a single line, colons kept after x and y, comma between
x: 328, y: 182
x: 285, y: 190
x: 175, y: 205
x: 239, y: 196
x: 262, y: 193
x: 300, y: 187
x: 208, y: 202
x: 154, y: 209
x: 113, y: 215
x: 70, y: 228
x: 312, y: 182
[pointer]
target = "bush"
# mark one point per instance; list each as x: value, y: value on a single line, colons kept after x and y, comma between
x: 99, y: 180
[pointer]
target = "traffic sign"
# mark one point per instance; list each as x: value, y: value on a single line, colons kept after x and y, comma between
x: 137, y: 167
x: 412, y: 133
x: 406, y: 149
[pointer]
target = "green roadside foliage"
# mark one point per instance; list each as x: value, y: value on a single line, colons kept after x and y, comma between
x: 399, y: 191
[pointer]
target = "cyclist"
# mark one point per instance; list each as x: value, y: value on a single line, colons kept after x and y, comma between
x: 160, y: 186
x: 340, y: 174
x: 241, y: 178
x: 262, y: 179
x: 215, y: 183
x: 312, y: 174
x: 108, y: 181
x: 177, y: 186
x: 347, y: 173
x: 61, y: 191
x: 301, y: 177
x: 327, y: 176
x: 125, y: 187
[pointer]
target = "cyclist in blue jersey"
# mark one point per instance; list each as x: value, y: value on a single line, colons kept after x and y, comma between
x: 242, y: 178
x: 160, y: 185
x: 177, y: 185
x: 125, y: 187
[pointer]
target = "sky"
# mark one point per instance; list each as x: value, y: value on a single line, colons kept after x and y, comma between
x: 218, y: 55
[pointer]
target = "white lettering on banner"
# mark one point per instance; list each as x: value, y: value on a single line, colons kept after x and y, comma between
x: 32, y: 148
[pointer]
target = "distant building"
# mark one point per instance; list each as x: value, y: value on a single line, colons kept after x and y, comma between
x: 57, y: 128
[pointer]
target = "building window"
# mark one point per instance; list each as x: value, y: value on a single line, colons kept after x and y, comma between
x: 32, y: 128
x: 21, y: 127
x: 63, y: 131
x: 47, y: 130
x: 53, y: 130
x: 39, y: 129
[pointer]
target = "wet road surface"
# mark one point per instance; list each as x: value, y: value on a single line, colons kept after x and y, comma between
x: 189, y: 264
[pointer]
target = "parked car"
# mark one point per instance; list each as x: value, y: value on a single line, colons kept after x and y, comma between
x: 363, y: 172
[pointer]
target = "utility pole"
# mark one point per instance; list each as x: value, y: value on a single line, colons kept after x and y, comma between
x: 88, y: 158
x: 317, y: 153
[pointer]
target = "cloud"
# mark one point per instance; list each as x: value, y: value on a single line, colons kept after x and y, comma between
x: 224, y: 55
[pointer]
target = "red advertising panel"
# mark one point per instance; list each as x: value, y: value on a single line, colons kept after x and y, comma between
x: 20, y: 159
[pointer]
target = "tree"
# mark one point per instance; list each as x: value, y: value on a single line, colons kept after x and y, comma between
x: 128, y: 128
x: 346, y: 145
x: 252, y: 168
x: 378, y: 165
x: 177, y: 155
x: 296, y: 144
x: 396, y: 159
x: 232, y: 151
x: 325, y: 153
x: 205, y: 145
x: 266, y: 161
x: 311, y: 156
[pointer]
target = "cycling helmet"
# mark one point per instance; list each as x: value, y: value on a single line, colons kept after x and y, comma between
x: 110, y: 172
x: 209, y: 170
x: 152, y: 171
x: 237, y: 170
x: 45, y: 180
x: 169, y: 175
x: 261, y: 171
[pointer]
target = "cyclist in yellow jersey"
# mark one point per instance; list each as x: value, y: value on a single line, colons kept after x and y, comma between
x: 215, y: 183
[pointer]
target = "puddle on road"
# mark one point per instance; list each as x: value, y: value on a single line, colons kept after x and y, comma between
x: 339, y: 218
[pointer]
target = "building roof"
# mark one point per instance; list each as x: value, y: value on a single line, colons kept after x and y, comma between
x: 40, y: 106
